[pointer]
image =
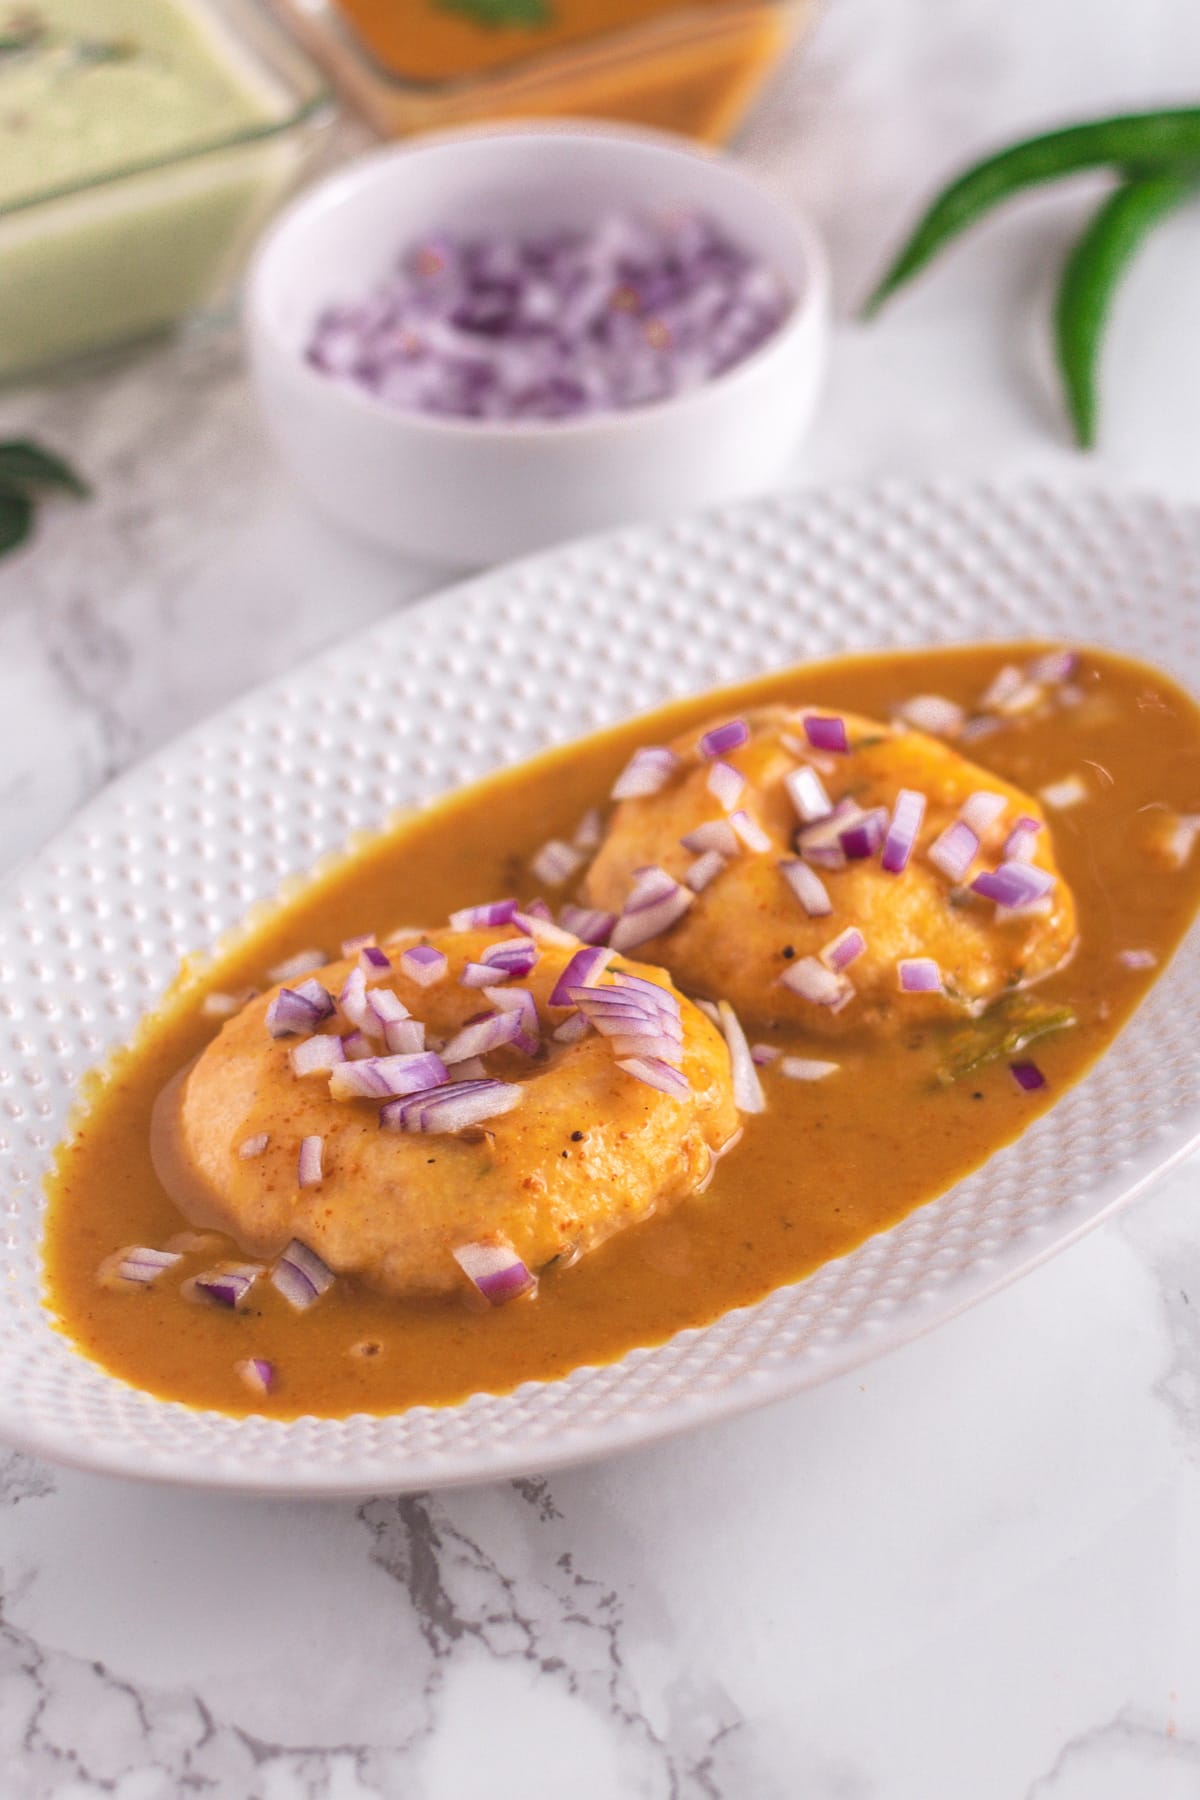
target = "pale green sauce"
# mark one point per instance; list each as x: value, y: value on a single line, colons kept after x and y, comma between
x: 91, y: 87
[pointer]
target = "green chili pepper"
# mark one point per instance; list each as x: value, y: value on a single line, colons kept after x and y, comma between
x: 1141, y: 142
x: 1090, y: 279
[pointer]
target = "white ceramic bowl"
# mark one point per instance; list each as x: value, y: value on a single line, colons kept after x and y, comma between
x: 469, y: 491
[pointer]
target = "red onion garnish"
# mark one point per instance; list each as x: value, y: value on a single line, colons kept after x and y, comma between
x: 1018, y: 846
x: 764, y: 1054
x: 747, y: 1088
x: 750, y: 832
x: 981, y: 810
x: 543, y: 930
x: 297, y: 1010
x: 516, y: 956
x: 1027, y: 1076
x: 374, y: 962
x: 385, y: 1077
x: 1014, y: 884
x: 316, y: 1055
x: 451, y: 1108
x: 254, y: 1146
x: 221, y: 1006
x: 813, y: 981
x: 954, y: 851
x: 723, y: 738
x: 656, y: 1074
x: 353, y: 1002
x: 1062, y: 794
x: 495, y: 1270
x: 303, y: 963
x: 588, y: 924
x: 482, y: 1035
x: 1054, y: 666
x: 356, y: 1045
x: 257, y: 1373
x: 557, y: 324
x: 826, y: 733
x: 861, y: 837
x: 1003, y: 688
x: 934, y: 714
x: 589, y: 833
x: 473, y: 1069
x: 583, y: 970
x: 424, y: 965
x: 725, y: 784
x: 653, y: 907
x: 806, y: 1068
x: 919, y: 975
x: 844, y: 949
x: 806, y: 791
x: 309, y: 1167
x: 403, y: 1037
x: 555, y: 863
x: 140, y: 1265
x: 901, y: 835
x: 480, y: 974
x: 704, y: 870
x: 352, y: 945
x: 1137, y: 959
x: 572, y: 1029
x: 808, y: 888
x: 521, y: 1002
x: 482, y: 918
x: 300, y: 1276
x: 715, y: 834
x: 647, y: 772
x: 227, y: 1285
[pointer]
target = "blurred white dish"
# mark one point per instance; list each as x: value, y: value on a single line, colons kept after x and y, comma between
x: 470, y: 491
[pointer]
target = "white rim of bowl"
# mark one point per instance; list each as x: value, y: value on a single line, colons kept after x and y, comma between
x: 809, y: 309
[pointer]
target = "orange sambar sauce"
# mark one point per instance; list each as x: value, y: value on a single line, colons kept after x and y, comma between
x: 824, y: 1167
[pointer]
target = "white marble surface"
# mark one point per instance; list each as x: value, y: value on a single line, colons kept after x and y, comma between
x: 972, y: 1569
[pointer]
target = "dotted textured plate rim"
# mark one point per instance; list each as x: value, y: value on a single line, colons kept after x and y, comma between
x: 92, y: 929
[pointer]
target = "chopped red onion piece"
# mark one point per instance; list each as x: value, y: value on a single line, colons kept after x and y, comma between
x: 934, y: 714
x: 981, y: 810
x: 140, y: 1265
x: 516, y: 956
x: 750, y: 831
x: 300, y: 1276
x: 813, y: 981
x: 650, y: 920
x: 747, y: 1088
x: 808, y: 888
x: 1027, y: 1076
x: 536, y: 909
x: 352, y: 945
x: 583, y: 970
x: 1054, y: 666
x: 1019, y: 844
x: 294, y: 1010
x: 725, y: 784
x: 587, y: 923
x: 229, y: 1284
x: 844, y: 949
x: 645, y: 1042
x: 954, y: 851
x: 723, y: 738
x: 764, y: 1054
x: 543, y: 930
x: 572, y: 1029
x: 303, y: 963
x: 471, y: 1070
x: 385, y: 1077
x: 257, y: 1373
x: 919, y: 975
x: 862, y: 836
x: 485, y: 1034
x: 1002, y: 689
x: 521, y: 1002
x: 403, y: 1037
x: 383, y: 1008
x: 1062, y: 794
x: 309, y: 1168
x: 453, y: 1107
x: 716, y: 834
x: 826, y: 733
x: 589, y: 833
x: 254, y: 1146
x: 650, y: 884
x: 704, y: 870
x: 356, y: 1045
x: 661, y: 998
x: 374, y: 962
x: 316, y: 1055
x: 656, y: 1074
x: 478, y: 975
x: 353, y: 1001
x: 901, y: 836
x: 482, y: 918
x: 424, y: 965
x: 1137, y: 959
x: 495, y: 1270
x: 806, y: 1068
x: 806, y: 791
x: 647, y: 772
x: 221, y: 1006
x: 555, y: 863
x: 1014, y: 884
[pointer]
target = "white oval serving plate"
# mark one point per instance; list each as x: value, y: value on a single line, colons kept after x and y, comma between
x: 92, y: 929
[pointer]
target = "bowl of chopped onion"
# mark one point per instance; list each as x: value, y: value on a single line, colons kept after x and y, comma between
x: 478, y: 343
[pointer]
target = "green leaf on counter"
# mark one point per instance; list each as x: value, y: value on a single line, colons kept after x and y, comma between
x: 24, y: 464
x: 495, y: 13
x: 1005, y: 1030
